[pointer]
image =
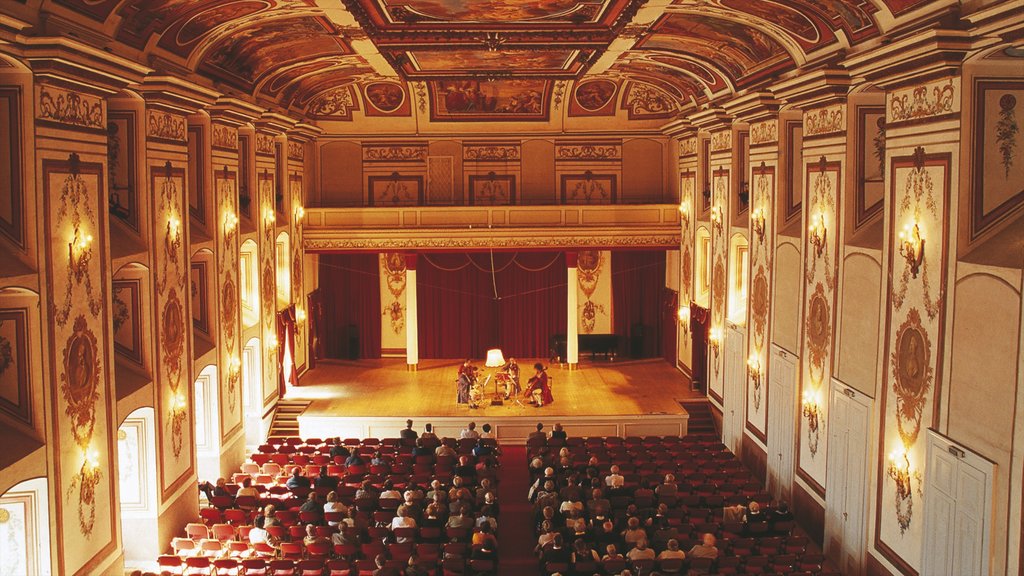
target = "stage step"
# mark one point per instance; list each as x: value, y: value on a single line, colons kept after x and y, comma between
x: 286, y: 415
x: 701, y: 421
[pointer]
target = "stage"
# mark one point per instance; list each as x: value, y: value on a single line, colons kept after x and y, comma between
x: 373, y: 398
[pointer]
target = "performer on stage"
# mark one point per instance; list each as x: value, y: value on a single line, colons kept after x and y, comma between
x: 465, y: 380
x: 538, y: 389
x: 511, y: 370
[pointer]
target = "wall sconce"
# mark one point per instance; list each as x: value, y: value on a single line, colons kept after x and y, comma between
x: 716, y: 217
x: 715, y: 341
x: 230, y: 223
x: 173, y: 234
x: 269, y: 218
x: 684, y: 318
x: 818, y: 233
x: 300, y: 315
x: 272, y: 342
x: 754, y: 369
x: 178, y: 404
x: 912, y: 246
x: 79, y: 253
x: 757, y: 222
x: 91, y: 459
x: 900, y: 473
x: 684, y: 213
x: 300, y: 213
x: 811, y: 411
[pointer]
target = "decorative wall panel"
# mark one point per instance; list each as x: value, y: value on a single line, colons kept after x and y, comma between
x: 593, y: 98
x: 121, y: 167
x: 395, y: 190
x: 870, y: 173
x: 297, y: 276
x: 594, y: 292
x: 721, y: 183
x: 228, y: 303
x: 12, y: 193
x: 268, y: 282
x: 687, y: 258
x: 199, y: 291
x: 392, y: 297
x: 15, y: 385
x: 998, y: 153
x: 589, y: 188
x: 762, y: 241
x: 68, y: 108
x: 20, y: 534
x: 440, y: 180
x: 126, y: 299
x: 919, y: 195
x: 492, y: 189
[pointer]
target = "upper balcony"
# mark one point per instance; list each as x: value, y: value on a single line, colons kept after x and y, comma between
x: 498, y: 227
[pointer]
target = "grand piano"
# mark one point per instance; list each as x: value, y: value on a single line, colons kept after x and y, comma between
x: 606, y: 345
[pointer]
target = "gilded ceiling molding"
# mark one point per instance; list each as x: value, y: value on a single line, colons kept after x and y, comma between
x: 165, y: 126
x: 395, y: 152
x: 482, y: 152
x: 69, y: 107
x: 480, y: 242
x: 928, y: 100
x: 827, y: 120
x: 764, y: 132
x: 225, y: 137
x: 588, y: 151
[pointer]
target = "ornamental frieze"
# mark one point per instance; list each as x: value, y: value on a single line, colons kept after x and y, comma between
x: 225, y: 137
x: 394, y: 152
x: 764, y: 132
x: 69, y: 107
x: 264, y: 144
x: 688, y: 146
x: 490, y: 152
x: 828, y: 120
x: 386, y: 244
x: 924, y: 101
x: 588, y: 151
x: 296, y: 150
x: 164, y: 125
x: 721, y: 141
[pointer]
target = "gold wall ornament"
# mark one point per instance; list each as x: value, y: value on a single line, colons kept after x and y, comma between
x: 818, y: 328
x: 5, y: 516
x: 900, y: 472
x: 754, y: 373
x: 912, y: 246
x: 912, y: 370
x: 165, y: 126
x: 396, y: 314
x: 85, y: 481
x: 393, y: 269
x: 75, y: 209
x: 827, y: 120
x: 811, y: 410
x: 817, y: 233
x: 717, y: 219
x: 917, y: 201
x: 589, y: 264
x: 924, y: 101
x: 759, y: 306
x: 80, y: 380
x: 69, y: 107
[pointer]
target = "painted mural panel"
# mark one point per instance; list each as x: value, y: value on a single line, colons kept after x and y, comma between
x: 870, y: 163
x: 392, y: 297
x: 15, y: 389
x: 121, y: 170
x: 492, y: 189
x: 386, y: 99
x: 488, y: 10
x: 589, y: 188
x: 503, y: 59
x: 720, y: 186
x: 11, y: 192
x: 490, y: 100
x: 266, y: 183
x: 594, y: 292
x: 998, y: 189
x: 762, y: 204
x: 593, y: 98
x: 126, y: 299
x: 687, y: 258
x: 919, y: 194
x: 228, y: 298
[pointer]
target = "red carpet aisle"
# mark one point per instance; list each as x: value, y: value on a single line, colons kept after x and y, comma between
x: 515, y: 533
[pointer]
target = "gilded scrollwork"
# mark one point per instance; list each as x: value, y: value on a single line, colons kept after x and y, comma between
x: 924, y: 101
x: 828, y: 120
x: 69, y: 107
x: 160, y: 124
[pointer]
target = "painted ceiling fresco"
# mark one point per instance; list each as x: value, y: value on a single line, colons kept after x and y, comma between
x: 484, y: 59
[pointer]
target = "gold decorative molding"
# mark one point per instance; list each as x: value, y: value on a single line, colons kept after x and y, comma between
x: 688, y: 146
x: 721, y: 141
x: 827, y: 120
x: 296, y: 150
x: 225, y: 137
x: 167, y: 126
x: 588, y: 151
x: 481, y: 152
x: 264, y: 144
x: 512, y: 239
x: 394, y: 152
x: 927, y: 100
x: 69, y: 107
x: 764, y: 132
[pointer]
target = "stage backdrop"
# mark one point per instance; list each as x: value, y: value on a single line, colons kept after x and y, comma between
x: 638, y: 295
x: 351, y: 327
x: 460, y: 316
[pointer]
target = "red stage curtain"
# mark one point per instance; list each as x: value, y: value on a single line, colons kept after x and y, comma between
x: 350, y: 297
x: 460, y: 317
x: 638, y: 283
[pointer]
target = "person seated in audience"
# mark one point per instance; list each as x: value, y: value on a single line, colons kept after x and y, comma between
x: 333, y: 504
x: 541, y: 483
x: 557, y: 433
x: 754, y: 513
x: 672, y: 551
x: 260, y: 535
x: 313, y: 504
x: 463, y: 498
x: 469, y: 431
x: 435, y: 488
x: 604, y: 532
x: 547, y: 534
x: 781, y: 513
x: 582, y: 552
x: 409, y: 435
x: 313, y: 538
x: 247, y: 489
x: 668, y: 487
x: 706, y: 549
x: 482, y: 489
x: 378, y: 460
x: 339, y: 449
x: 614, y: 480
x: 484, y: 543
x: 345, y: 534
x: 383, y: 569
x: 568, y: 506
x: 211, y: 490
x: 555, y: 551
x: 573, y: 488
x: 457, y: 484
x: 611, y: 553
x: 487, y: 431
x: 546, y: 496
x: 366, y: 490
x: 428, y: 432
x: 354, y: 459
x: 547, y: 514
x: 460, y: 519
x: 444, y: 450
x: 491, y: 501
x: 640, y: 552
x: 634, y: 532
x: 663, y: 533
x: 577, y: 527
x: 325, y: 480
x: 482, y: 449
x: 593, y: 468
x: 421, y: 448
x: 466, y: 467
x: 388, y: 491
x: 403, y: 519
x: 734, y: 513
x: 413, y: 567
x: 487, y: 515
x: 538, y: 434
x: 432, y: 517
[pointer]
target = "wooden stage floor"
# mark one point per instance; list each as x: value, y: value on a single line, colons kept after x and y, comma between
x: 379, y: 395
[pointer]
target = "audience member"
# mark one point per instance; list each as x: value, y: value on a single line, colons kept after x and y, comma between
x: 706, y: 549
x: 297, y: 480
x: 557, y: 433
x: 486, y: 431
x: 640, y: 552
x: 339, y: 449
x: 538, y: 434
x: 354, y: 459
x: 614, y: 479
x: 672, y: 551
x: 408, y: 434
x: 325, y: 480
x: 470, y: 431
x: 428, y: 432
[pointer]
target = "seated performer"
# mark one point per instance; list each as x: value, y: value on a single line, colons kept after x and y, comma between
x: 465, y: 381
x: 511, y: 370
x: 538, y: 389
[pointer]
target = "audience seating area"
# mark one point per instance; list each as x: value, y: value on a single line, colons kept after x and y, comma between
x: 711, y: 485
x: 346, y: 543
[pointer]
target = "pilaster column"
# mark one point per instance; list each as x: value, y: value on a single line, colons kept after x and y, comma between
x: 412, y: 341
x: 572, y: 345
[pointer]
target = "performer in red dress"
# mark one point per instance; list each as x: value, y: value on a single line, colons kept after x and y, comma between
x: 538, y: 389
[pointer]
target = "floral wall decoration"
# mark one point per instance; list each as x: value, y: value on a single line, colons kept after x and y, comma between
x: 594, y: 292
x: 761, y: 244
x: 392, y: 273
x: 225, y: 183
x: 80, y: 379
x: 997, y: 190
